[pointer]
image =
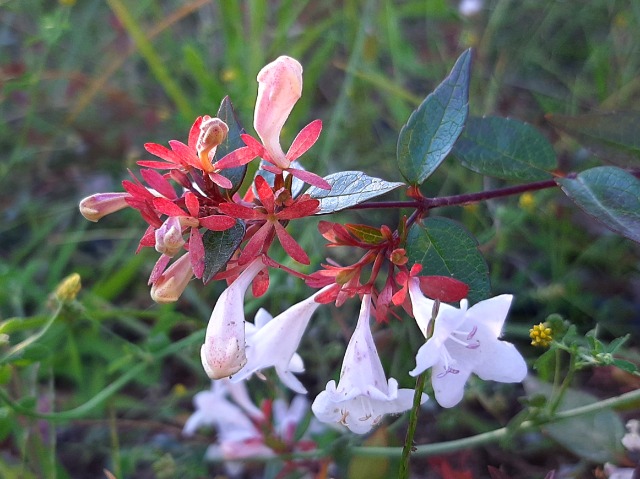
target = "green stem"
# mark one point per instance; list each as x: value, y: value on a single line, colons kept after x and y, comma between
x: 566, y: 382
x: 411, y: 430
x: 156, y: 64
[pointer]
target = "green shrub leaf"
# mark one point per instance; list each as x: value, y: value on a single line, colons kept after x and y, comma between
x: 232, y: 143
x: 444, y: 247
x: 218, y: 248
x: 505, y: 148
x: 433, y: 128
x: 349, y: 188
x: 610, y: 195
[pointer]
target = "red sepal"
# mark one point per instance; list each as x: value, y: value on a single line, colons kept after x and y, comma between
x: 444, y: 288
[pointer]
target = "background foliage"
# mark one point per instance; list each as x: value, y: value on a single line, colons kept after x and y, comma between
x: 85, y: 84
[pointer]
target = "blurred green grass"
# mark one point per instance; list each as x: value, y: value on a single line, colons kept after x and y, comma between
x: 86, y: 84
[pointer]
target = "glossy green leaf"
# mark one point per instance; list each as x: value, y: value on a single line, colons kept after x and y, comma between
x: 367, y: 234
x: 349, y: 188
x: 219, y: 247
x: 433, y: 128
x: 227, y: 114
x: 613, y: 136
x: 608, y: 194
x: 444, y: 247
x: 505, y: 148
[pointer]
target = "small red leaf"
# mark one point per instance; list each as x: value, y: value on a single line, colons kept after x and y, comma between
x: 167, y: 207
x: 187, y: 155
x: 444, y: 288
x: 192, y: 204
x: 158, y: 165
x: 194, y: 133
x: 265, y: 193
x: 238, y: 211
x: 236, y: 158
x: 256, y: 244
x: 310, y: 178
x: 221, y: 181
x: 217, y: 222
x: 304, y: 140
x: 299, y: 209
x: 159, y: 268
x: 260, y: 283
x: 290, y: 245
x: 159, y: 183
x: 163, y: 152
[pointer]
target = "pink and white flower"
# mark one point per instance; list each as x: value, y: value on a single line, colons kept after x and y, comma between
x: 363, y: 394
x: 223, y: 351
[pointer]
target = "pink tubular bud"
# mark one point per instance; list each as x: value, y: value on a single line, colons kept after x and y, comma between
x: 169, y: 239
x: 213, y: 131
x: 170, y: 285
x: 279, y: 88
x: 96, y: 206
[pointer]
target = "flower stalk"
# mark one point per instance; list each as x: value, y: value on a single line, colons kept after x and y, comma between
x: 411, y: 429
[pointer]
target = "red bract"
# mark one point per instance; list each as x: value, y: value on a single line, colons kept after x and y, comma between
x: 199, y: 152
x: 301, y: 144
x: 271, y: 213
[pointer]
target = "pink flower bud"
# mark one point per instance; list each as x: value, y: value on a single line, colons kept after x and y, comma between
x: 213, y: 131
x: 96, y: 206
x: 169, y: 239
x: 279, y: 88
x: 170, y: 285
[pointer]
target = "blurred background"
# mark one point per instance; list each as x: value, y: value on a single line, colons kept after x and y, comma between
x: 84, y: 84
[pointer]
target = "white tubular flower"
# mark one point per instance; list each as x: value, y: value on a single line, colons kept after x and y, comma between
x: 275, y: 341
x: 169, y: 238
x: 363, y: 395
x: 96, y: 206
x: 465, y: 341
x: 212, y: 408
x: 279, y: 88
x: 223, y: 351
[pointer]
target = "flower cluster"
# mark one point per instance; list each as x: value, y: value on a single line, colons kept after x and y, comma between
x: 209, y: 231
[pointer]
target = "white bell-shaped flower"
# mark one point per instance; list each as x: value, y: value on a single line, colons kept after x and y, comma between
x: 363, y: 394
x: 274, y: 343
x: 223, y: 351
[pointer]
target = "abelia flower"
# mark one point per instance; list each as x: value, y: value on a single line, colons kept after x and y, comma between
x: 168, y: 287
x: 169, y: 238
x: 223, y: 351
x: 275, y: 341
x: 279, y: 88
x: 96, y: 206
x: 271, y: 213
x: 464, y: 341
x: 363, y: 394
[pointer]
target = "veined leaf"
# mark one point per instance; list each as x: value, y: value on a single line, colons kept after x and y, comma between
x: 433, y: 128
x: 613, y: 136
x: 610, y: 195
x: 445, y: 248
x: 232, y: 143
x: 505, y: 148
x: 218, y: 248
x: 349, y: 188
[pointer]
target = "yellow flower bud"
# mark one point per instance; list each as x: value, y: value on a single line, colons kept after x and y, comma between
x: 541, y: 335
x: 68, y: 288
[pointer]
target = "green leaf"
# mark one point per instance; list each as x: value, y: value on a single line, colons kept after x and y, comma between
x: 349, y: 188
x: 219, y: 247
x: 505, y: 148
x: 367, y: 234
x: 595, y: 437
x: 444, y: 247
x: 608, y: 194
x: 613, y: 136
x: 433, y: 128
x: 227, y: 114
